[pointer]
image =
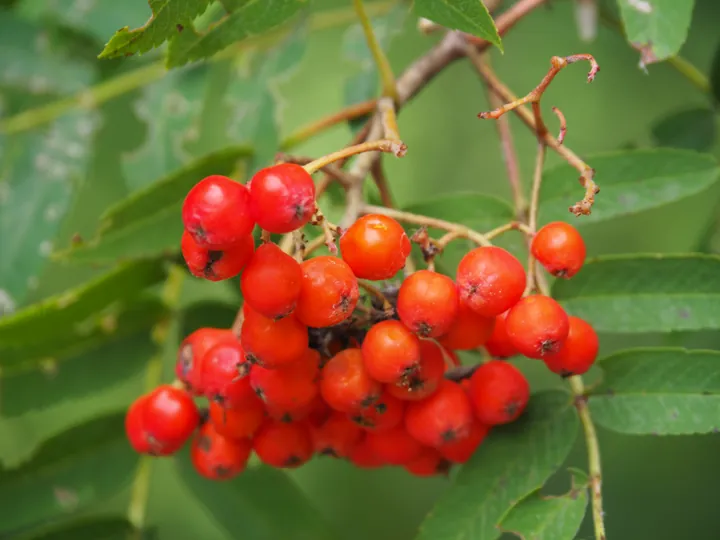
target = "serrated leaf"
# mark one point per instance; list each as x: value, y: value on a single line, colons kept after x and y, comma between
x: 645, y: 293
x: 251, y: 19
x: 99, y: 528
x: 169, y: 17
x: 37, y: 178
x: 512, y: 463
x: 657, y: 28
x: 659, y: 391
x: 542, y: 517
x: 631, y: 181
x: 69, y: 471
x: 60, y: 315
x: 692, y: 129
x: 262, y: 503
x: 470, y: 16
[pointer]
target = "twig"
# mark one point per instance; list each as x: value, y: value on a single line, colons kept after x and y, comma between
x: 332, y: 170
x: 382, y: 145
x: 534, y: 203
x: 376, y: 293
x: 386, y: 108
x: 378, y: 175
x: 511, y: 226
x: 238, y: 322
x: 386, y: 74
x: 563, y: 125
x: 329, y: 231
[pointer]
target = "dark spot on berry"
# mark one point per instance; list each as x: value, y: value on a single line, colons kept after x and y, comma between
x: 252, y: 359
x: 362, y: 421
x: 221, y: 471
x: 259, y: 393
x: 204, y: 416
x: 287, y: 418
x: 344, y: 304
x: 179, y: 27
x: 562, y: 273
x: 511, y: 408
x: 243, y: 368
x: 299, y: 211
x: 213, y: 257
x: 204, y: 443
x: 381, y: 408
x: 449, y: 436
x: 292, y: 461
x: 548, y: 346
x: 329, y: 451
x: 565, y: 373
x: 414, y: 383
x: 369, y: 400
x: 424, y: 329
x: 408, y: 374
x: 198, y: 233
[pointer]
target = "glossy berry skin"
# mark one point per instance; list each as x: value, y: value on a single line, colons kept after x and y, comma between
x: 291, y: 387
x: 283, y: 445
x: 336, y: 437
x: 578, y: 352
x: 537, y: 326
x: 363, y: 456
x: 429, y: 463
x: 559, y: 247
x: 216, y: 213
x: 135, y: 427
x: 375, y: 246
x: 282, y: 197
x: 490, y: 280
x: 426, y: 378
x: 346, y: 384
x: 170, y: 417
x: 395, y: 446
x: 239, y: 423
x: 444, y: 417
x: 427, y: 303
x: 383, y: 415
x: 270, y: 283
x: 499, y: 344
x: 328, y: 292
x: 315, y: 412
x: 461, y: 451
x: 468, y: 331
x: 216, y: 457
x: 498, y: 392
x: 192, y: 351
x: 225, y: 375
x: 391, y: 352
x: 273, y: 344
x: 216, y: 265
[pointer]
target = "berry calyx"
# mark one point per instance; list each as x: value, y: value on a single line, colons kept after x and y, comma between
x: 444, y: 417
x: 386, y: 413
x: 192, y: 351
x: 216, y: 265
x: 427, y: 303
x: 291, y: 387
x: 346, y: 384
x: 224, y: 377
x: 375, y: 247
x: 462, y: 450
x: 282, y: 197
x: 270, y: 283
x: 468, y: 331
x: 170, y: 417
x: 328, y: 292
x: 429, y: 463
x: 578, y: 352
x: 426, y: 378
x: 283, y: 445
x: 499, y: 344
x: 537, y: 326
x: 238, y: 423
x: 216, y: 457
x: 499, y: 393
x: 559, y: 247
x: 273, y: 343
x: 336, y: 436
x: 391, y: 352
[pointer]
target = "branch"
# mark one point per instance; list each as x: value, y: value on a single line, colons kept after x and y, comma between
x: 532, y: 219
x: 386, y: 74
x: 332, y: 170
x: 398, y: 148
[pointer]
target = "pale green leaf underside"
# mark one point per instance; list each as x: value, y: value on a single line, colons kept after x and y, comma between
x: 469, y: 16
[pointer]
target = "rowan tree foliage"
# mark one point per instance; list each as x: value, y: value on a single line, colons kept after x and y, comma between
x: 216, y: 322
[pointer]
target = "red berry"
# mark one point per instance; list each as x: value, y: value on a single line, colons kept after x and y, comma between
x: 442, y: 418
x: 328, y: 292
x: 391, y: 352
x: 498, y: 392
x: 426, y: 378
x: 559, y: 247
x: 224, y: 377
x: 271, y: 282
x: 386, y: 413
x: 428, y: 303
x: 239, y: 423
x: 170, y: 417
x: 291, y: 387
x: 282, y: 197
x: 364, y: 457
x: 283, y: 445
x: 192, y: 351
x: 219, y: 264
x: 490, y: 280
x: 395, y: 446
x: 216, y: 212
x: 498, y: 344
x: 578, y: 352
x: 461, y: 451
x: 216, y: 457
x: 537, y: 326
x: 336, y: 437
x: 273, y: 344
x: 315, y: 412
x: 468, y: 331
x: 345, y: 383
x: 375, y: 247
x: 429, y: 463
x: 135, y: 426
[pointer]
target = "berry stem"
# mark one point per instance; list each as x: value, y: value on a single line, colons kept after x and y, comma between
x: 238, y: 322
x: 377, y: 293
x: 388, y: 117
x: 332, y: 170
x: 593, y: 450
x: 382, y: 145
x: 139, y: 495
x: 329, y: 231
x: 532, y: 219
x: 385, y: 70
x: 511, y: 226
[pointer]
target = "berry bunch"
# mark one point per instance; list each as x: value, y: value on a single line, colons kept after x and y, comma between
x: 325, y: 363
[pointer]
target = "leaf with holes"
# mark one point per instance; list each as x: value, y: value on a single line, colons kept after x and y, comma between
x: 692, y: 129
x: 631, y: 181
x: 470, y: 16
x: 512, y: 463
x: 659, y: 391
x: 645, y: 293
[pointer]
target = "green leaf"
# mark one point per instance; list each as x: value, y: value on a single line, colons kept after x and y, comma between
x: 630, y: 182
x: 99, y: 528
x: 543, y: 517
x: 70, y: 471
x: 59, y: 315
x: 169, y: 17
x: 38, y: 173
x: 645, y: 293
x: 253, y: 18
x: 512, y: 463
x: 262, y: 503
x: 207, y: 314
x: 692, y: 129
x: 656, y: 28
x: 470, y: 16
x: 659, y: 391
x: 715, y: 75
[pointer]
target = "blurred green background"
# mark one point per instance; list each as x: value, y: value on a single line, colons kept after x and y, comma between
x: 659, y: 488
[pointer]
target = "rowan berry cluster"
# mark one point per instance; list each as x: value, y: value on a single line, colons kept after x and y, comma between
x: 326, y: 363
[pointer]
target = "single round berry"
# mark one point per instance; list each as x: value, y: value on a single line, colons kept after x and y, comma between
x: 391, y: 352
x: 559, y: 247
x: 363, y: 456
x: 386, y: 413
x: 461, y: 451
x: 170, y: 417
x: 345, y: 383
x: 490, y: 280
x: 328, y: 292
x: 315, y: 412
x: 192, y: 351
x: 336, y: 437
x: 428, y: 303
x: 282, y: 197
x: 395, y: 446
x: 468, y: 331
x: 499, y: 344
x: 273, y: 344
x: 283, y: 445
x: 498, y: 392
x: 375, y: 247
x: 444, y: 417
x: 224, y: 374
x: 135, y: 430
x: 291, y: 387
x: 270, y: 283
x: 216, y: 212
x: 426, y: 378
x: 537, y: 326
x: 216, y: 457
x: 578, y: 352
x: 239, y: 423
x: 429, y: 463
x: 216, y: 265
